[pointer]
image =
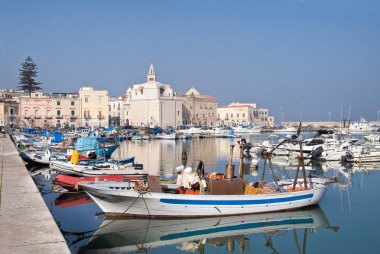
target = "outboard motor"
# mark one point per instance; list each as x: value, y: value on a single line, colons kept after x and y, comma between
x: 316, y: 153
x: 347, y: 157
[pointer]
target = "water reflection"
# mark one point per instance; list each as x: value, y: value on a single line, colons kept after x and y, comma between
x: 78, y: 217
x: 136, y: 235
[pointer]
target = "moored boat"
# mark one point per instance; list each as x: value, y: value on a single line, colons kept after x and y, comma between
x: 100, y: 169
x: 72, y: 182
x: 130, y: 202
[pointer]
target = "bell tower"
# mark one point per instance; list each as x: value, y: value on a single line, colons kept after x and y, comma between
x: 151, y: 74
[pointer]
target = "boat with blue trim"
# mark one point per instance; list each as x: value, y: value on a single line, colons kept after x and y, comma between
x: 120, y: 199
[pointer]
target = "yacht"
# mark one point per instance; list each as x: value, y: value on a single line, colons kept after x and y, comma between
x: 362, y: 126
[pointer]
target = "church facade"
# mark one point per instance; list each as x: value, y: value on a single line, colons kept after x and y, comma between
x: 153, y: 104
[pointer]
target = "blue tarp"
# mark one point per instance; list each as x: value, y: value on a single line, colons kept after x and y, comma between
x: 86, y: 143
x: 56, y: 136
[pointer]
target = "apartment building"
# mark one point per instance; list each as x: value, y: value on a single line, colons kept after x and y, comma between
x: 244, y: 113
x: 93, y: 107
x: 50, y: 110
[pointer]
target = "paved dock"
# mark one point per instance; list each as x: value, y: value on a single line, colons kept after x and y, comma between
x: 26, y: 224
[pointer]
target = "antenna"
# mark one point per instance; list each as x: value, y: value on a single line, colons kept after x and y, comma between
x: 301, y: 110
x: 349, y: 113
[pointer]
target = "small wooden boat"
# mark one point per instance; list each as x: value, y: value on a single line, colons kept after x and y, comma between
x: 41, y: 157
x: 165, y: 136
x: 72, y: 182
x: 99, y: 169
x: 119, y: 199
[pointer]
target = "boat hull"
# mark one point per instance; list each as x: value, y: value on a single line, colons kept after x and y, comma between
x: 116, y: 202
x: 94, y: 170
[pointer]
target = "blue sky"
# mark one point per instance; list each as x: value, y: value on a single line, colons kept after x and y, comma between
x: 307, y: 56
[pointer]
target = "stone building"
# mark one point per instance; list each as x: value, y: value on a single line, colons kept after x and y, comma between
x: 117, y: 108
x: 244, y: 113
x: 9, y: 110
x: 50, y: 110
x: 153, y: 104
x: 94, y: 109
x: 197, y: 109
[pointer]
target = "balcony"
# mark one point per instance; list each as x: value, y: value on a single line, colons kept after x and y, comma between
x: 100, y: 117
x: 73, y: 117
x: 48, y: 117
x: 26, y: 117
x: 87, y: 116
x: 59, y: 117
x: 37, y: 117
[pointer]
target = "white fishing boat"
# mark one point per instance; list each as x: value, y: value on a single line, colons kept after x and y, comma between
x: 242, y: 129
x: 286, y: 130
x: 130, y: 202
x: 190, y: 130
x: 364, y: 156
x: 164, y: 136
x: 98, y: 169
x: 136, y: 235
x: 362, y: 126
x: 43, y: 157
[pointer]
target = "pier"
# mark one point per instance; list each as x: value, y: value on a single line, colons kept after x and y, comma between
x: 26, y: 224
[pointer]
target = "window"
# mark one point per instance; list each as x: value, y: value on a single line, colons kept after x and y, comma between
x: 72, y: 112
x: 36, y: 112
x: 11, y: 111
x: 243, y: 115
x: 232, y: 115
x: 178, y: 112
x: 58, y: 112
x: 48, y: 113
x: 85, y: 99
x: 237, y: 115
x: 58, y: 103
x: 99, y: 99
x: 26, y: 112
x: 72, y: 103
x: 100, y: 114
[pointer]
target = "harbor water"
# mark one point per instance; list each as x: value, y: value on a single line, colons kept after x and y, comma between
x: 344, y: 222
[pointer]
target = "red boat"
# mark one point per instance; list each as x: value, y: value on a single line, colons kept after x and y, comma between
x: 71, y: 182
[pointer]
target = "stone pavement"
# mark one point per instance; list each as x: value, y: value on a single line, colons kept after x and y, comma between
x: 26, y: 224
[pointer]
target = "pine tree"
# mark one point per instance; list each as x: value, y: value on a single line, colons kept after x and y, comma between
x: 28, y: 72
